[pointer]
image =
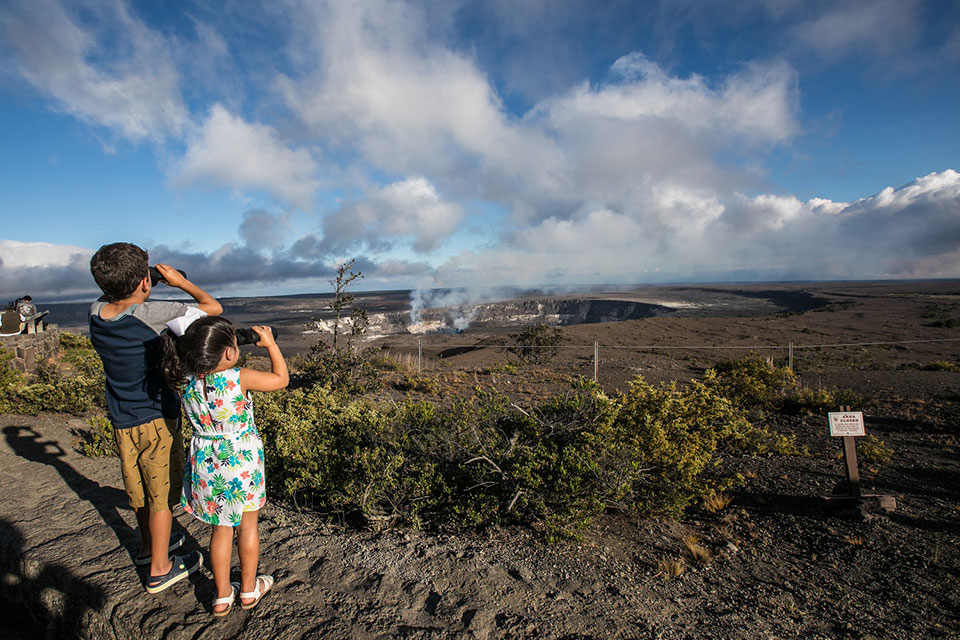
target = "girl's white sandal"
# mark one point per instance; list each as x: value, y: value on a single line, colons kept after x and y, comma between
x: 256, y: 593
x: 234, y: 590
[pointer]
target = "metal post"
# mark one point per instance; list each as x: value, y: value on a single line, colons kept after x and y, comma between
x: 419, y: 355
x: 790, y: 356
x: 596, y: 361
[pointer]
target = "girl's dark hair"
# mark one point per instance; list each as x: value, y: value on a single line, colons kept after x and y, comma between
x: 198, y: 351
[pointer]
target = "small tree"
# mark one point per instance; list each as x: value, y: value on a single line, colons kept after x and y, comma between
x: 536, y: 344
x: 341, y: 365
x: 342, y: 300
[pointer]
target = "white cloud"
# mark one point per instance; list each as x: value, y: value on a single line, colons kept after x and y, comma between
x: 413, y: 107
x: 229, y: 151
x: 410, y: 106
x: 866, y: 27
x: 757, y: 103
x: 912, y: 231
x: 410, y: 210
x: 130, y: 86
x: 16, y: 254
x: 261, y: 229
x: 42, y: 269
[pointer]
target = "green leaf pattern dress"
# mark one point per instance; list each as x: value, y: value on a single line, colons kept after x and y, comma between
x: 224, y: 472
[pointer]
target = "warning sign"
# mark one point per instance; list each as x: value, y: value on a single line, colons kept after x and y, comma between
x: 846, y: 423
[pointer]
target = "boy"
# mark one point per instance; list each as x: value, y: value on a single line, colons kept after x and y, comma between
x: 125, y: 330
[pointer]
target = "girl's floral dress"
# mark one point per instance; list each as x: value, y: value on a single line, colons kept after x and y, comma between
x: 224, y: 470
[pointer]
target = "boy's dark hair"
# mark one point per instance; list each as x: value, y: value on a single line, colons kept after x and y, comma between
x: 198, y: 351
x: 118, y: 268
x: 27, y: 299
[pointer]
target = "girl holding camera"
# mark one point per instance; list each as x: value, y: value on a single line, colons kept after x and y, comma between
x: 224, y: 478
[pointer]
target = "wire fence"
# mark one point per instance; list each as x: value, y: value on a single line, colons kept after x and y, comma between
x: 788, y: 349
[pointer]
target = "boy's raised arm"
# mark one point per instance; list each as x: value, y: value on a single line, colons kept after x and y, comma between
x: 205, y: 302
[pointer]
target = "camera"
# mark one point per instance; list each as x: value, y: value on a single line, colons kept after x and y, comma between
x: 249, y: 336
x: 156, y: 278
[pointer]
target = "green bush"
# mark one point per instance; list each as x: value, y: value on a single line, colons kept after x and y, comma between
x: 341, y: 368
x: 873, y: 450
x: 674, y: 436
x: 418, y: 383
x: 752, y: 382
x: 537, y: 344
x: 755, y: 386
x: 484, y: 460
x: 50, y: 388
x: 98, y: 440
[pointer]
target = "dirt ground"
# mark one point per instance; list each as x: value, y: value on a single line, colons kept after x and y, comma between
x: 781, y: 565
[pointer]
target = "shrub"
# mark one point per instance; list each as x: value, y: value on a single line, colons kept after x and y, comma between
x: 752, y: 382
x: 98, y: 440
x: 51, y: 388
x: 537, y: 344
x: 755, y: 385
x: 873, y: 450
x: 500, y: 367
x: 483, y: 460
x: 417, y: 383
x: 674, y: 435
x: 342, y: 369
x: 941, y: 365
x: 77, y: 393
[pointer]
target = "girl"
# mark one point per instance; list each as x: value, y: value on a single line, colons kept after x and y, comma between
x: 223, y: 483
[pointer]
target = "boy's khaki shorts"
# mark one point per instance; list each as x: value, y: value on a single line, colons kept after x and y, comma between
x: 151, y: 459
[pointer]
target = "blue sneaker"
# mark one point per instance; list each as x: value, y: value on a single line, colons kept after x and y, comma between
x: 182, y: 567
x: 176, y: 541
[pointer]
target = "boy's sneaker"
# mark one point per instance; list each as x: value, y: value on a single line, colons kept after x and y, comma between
x: 176, y: 541
x: 182, y: 567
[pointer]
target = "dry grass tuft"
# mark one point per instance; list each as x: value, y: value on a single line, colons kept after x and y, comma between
x: 699, y: 553
x: 725, y: 531
x: 853, y: 540
x: 672, y: 568
x: 717, y: 502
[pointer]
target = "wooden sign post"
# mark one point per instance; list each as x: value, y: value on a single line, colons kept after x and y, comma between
x: 849, y: 425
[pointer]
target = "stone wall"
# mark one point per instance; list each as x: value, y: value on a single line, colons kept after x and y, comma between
x: 29, y: 349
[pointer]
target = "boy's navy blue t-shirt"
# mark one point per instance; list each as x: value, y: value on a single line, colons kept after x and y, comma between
x: 131, y: 349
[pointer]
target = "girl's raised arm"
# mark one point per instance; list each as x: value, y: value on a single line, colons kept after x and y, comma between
x: 277, y: 377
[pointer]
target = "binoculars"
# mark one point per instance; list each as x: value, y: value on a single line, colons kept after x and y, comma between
x: 156, y: 278
x: 249, y: 336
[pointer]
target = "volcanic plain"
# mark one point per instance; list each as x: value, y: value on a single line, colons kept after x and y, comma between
x: 781, y: 564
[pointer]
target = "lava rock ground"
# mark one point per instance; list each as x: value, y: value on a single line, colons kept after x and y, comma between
x: 780, y: 566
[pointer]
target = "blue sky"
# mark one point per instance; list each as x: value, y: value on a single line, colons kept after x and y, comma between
x: 479, y: 143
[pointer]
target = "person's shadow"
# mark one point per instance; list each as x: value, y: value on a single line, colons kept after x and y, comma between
x: 51, y: 603
x: 108, y: 501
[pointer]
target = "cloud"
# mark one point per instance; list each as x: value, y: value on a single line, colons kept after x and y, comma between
x: 407, y: 210
x: 42, y: 269
x: 229, y: 151
x: 864, y: 27
x: 413, y: 107
x: 237, y: 267
x: 907, y: 232
x: 409, y: 105
x: 107, y: 68
x: 261, y: 229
